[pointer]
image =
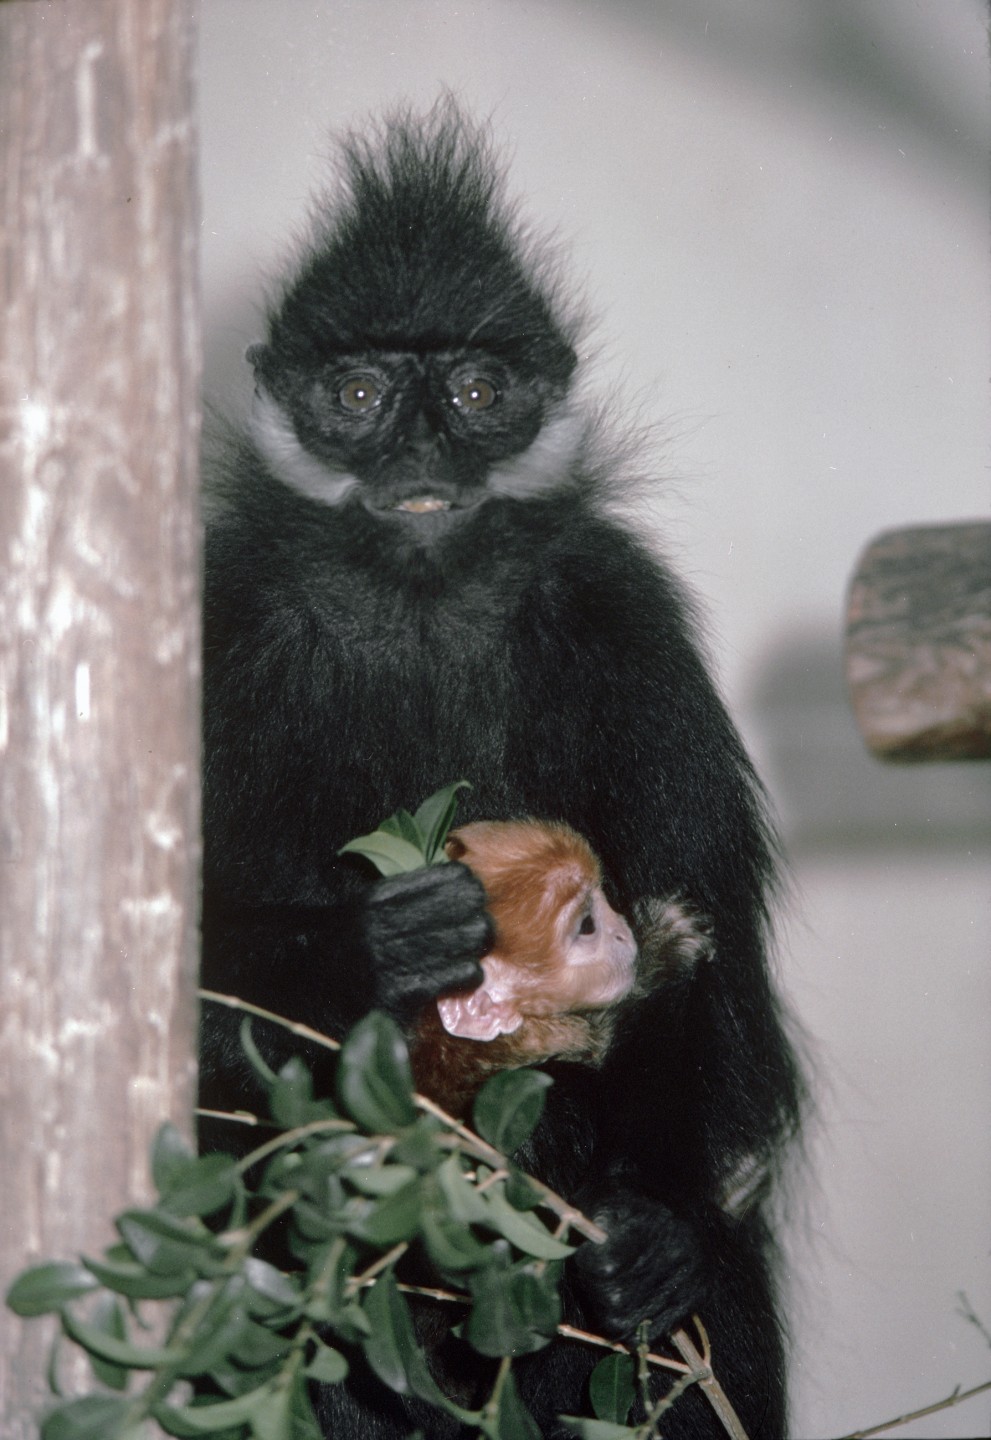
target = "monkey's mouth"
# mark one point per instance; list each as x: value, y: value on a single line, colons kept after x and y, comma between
x: 422, y: 505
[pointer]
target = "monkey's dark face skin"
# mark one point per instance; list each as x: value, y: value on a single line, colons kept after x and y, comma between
x: 411, y: 578
x: 417, y: 437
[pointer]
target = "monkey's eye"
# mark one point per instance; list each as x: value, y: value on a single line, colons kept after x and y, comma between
x: 475, y: 394
x: 360, y: 393
x: 587, y: 927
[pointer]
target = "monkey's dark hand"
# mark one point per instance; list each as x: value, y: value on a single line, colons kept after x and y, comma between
x: 425, y: 931
x: 650, y: 1268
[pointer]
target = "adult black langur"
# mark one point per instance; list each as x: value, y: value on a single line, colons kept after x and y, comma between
x: 412, y: 577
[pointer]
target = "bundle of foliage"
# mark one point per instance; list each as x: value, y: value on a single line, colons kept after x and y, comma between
x: 352, y: 1182
x: 358, y: 1179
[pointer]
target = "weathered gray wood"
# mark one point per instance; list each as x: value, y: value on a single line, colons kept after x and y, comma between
x: 99, y: 637
x: 919, y: 643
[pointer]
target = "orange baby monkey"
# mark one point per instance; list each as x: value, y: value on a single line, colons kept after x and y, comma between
x: 561, y: 961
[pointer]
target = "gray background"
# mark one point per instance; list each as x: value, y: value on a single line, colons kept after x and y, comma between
x: 779, y: 212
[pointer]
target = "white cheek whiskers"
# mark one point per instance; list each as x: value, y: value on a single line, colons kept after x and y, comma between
x: 273, y: 433
x: 544, y: 465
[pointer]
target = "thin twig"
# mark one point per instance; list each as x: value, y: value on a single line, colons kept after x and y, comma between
x: 571, y: 1332
x: 491, y: 1411
x: 472, y: 1142
x: 710, y: 1386
x: 238, y: 1117
x: 493, y: 1179
x: 287, y: 1138
x: 665, y: 1403
x: 970, y: 1315
x: 567, y: 1332
x: 957, y: 1398
x: 359, y: 1282
x: 234, y: 1002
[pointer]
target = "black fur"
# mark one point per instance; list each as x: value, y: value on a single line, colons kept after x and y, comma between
x: 359, y: 657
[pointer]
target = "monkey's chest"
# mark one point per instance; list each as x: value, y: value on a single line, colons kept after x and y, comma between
x: 427, y: 702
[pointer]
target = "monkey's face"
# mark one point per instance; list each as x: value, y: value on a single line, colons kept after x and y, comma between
x: 413, y: 437
x: 598, y: 954
x: 588, y: 965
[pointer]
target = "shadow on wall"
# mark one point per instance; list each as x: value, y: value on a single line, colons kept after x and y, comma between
x: 830, y: 792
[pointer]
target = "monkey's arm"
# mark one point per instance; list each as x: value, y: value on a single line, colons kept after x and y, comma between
x: 393, y: 946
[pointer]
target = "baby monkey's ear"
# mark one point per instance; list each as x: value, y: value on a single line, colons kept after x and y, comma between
x: 485, y: 1013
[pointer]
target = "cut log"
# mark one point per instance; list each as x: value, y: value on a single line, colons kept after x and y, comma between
x: 918, y: 655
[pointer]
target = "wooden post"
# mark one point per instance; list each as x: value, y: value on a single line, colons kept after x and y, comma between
x: 919, y: 643
x: 99, y: 631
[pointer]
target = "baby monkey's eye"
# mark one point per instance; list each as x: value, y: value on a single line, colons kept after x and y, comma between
x: 475, y: 394
x: 587, y: 927
x: 360, y: 393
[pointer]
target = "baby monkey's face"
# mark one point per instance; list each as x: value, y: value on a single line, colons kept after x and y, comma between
x: 598, y: 954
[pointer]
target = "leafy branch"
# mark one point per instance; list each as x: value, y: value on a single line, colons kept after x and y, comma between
x: 360, y: 1179
x: 353, y: 1182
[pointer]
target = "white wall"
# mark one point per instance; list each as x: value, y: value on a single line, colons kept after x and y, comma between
x: 780, y: 212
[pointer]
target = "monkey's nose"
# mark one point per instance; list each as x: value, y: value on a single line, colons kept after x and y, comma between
x: 424, y: 437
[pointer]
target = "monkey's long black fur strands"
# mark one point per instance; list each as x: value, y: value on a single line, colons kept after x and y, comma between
x: 410, y: 581
x: 423, y: 249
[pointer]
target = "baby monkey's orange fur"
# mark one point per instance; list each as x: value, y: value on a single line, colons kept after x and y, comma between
x: 561, y: 962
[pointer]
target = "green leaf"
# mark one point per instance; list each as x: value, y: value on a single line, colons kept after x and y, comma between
x: 598, y: 1429
x: 390, y: 854
x: 165, y: 1244
x: 612, y: 1387
x: 303, y: 1422
x: 329, y: 1273
x: 374, y: 1083
x: 234, y: 1381
x: 117, y: 1351
x: 452, y: 1247
x: 257, y: 1346
x: 314, y: 1223
x: 328, y: 1366
x: 521, y: 1192
x: 515, y: 1422
x: 515, y: 1312
x: 130, y: 1279
x: 418, y: 1146
x: 387, y: 1221
x: 380, y: 1179
x: 202, y: 1187
x: 188, y: 1421
x: 450, y: 1242
x: 435, y: 815
x: 463, y: 1200
x: 171, y: 1156
x: 508, y: 1107
x: 216, y: 1340
x: 291, y: 1097
x: 349, y: 1323
x: 270, y: 1290
x: 522, y: 1229
x: 391, y: 1349
x: 107, y: 1314
x: 272, y: 1417
x: 258, y: 1062
x: 404, y: 825
x: 538, y: 1297
x: 94, y: 1417
x: 330, y: 1152
x: 48, y: 1287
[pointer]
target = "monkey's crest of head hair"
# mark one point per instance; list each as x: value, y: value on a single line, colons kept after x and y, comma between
x: 422, y: 251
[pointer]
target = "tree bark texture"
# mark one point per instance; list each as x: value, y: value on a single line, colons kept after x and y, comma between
x: 919, y: 643
x: 99, y: 630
